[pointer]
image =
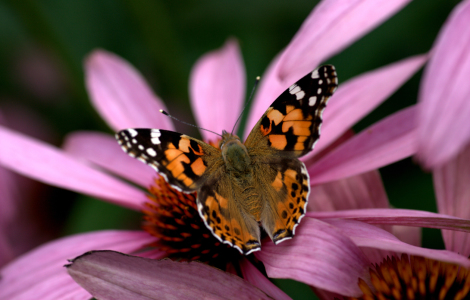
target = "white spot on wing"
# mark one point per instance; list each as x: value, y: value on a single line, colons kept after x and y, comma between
x: 319, y: 91
x: 151, y: 152
x: 132, y: 132
x: 300, y: 95
x: 315, y: 74
x: 312, y: 100
x: 155, y: 134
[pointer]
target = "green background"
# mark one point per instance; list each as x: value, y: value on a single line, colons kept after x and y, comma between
x: 163, y: 39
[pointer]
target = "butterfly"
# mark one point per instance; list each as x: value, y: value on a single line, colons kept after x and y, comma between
x: 244, y: 185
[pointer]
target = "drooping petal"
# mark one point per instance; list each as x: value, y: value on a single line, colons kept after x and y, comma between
x: 103, y: 150
x: 40, y: 274
x: 48, y: 164
x: 331, y: 27
x: 217, y: 87
x: 369, y: 236
x: 404, y: 217
x: 444, y: 106
x: 254, y: 276
x: 452, y: 186
x: 318, y: 255
x: 121, y: 95
x: 387, y: 141
x: 361, y: 191
x: 357, y: 97
x: 113, y: 275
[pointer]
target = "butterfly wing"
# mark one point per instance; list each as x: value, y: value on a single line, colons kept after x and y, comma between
x: 289, y: 128
x: 182, y: 160
x: 291, y: 125
x: 219, y: 208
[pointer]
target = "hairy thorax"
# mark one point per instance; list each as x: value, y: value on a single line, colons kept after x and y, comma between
x: 239, y: 164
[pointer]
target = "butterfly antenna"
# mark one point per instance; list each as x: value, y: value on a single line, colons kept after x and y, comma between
x: 249, y: 100
x: 168, y: 115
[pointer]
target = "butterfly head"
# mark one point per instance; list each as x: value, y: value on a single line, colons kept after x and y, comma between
x: 234, y: 153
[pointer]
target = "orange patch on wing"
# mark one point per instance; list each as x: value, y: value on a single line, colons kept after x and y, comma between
x: 299, y: 127
x: 294, y: 115
x: 278, y: 141
x: 171, y: 154
x: 184, y: 144
x: 222, y: 201
x: 275, y: 116
x: 266, y: 131
x: 289, y: 108
x: 198, y: 166
x: 300, y: 143
x: 176, y: 166
x: 290, y: 173
x: 277, y: 183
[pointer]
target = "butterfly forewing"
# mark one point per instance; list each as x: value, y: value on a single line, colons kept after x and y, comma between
x: 292, y: 123
x: 181, y: 159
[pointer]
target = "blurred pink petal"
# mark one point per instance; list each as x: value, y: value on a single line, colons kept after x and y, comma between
x: 357, y: 97
x: 40, y: 274
x: 452, y: 186
x: 48, y: 164
x: 409, y: 235
x: 254, y: 276
x: 361, y: 191
x: 387, y: 141
x: 113, y: 275
x: 365, y: 235
x: 103, y: 150
x: 217, y: 87
x: 332, y: 26
x: 319, y: 255
x: 444, y: 108
x: 395, y: 216
x: 121, y: 95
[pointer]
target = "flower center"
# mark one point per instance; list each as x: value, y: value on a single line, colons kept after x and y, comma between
x: 172, y: 217
x: 416, y: 278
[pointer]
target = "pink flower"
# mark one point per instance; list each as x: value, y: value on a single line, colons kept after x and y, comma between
x: 327, y: 249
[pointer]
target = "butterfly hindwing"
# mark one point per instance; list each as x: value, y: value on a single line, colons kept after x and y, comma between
x: 181, y: 159
x: 219, y: 206
x: 286, y: 201
x: 292, y: 123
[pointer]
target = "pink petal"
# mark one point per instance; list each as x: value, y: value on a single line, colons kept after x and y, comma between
x: 365, y: 235
x: 121, y: 95
x: 318, y: 255
x: 332, y: 26
x: 103, y: 150
x: 217, y: 87
x: 409, y: 235
x: 395, y: 216
x: 48, y: 164
x: 40, y: 274
x: 357, y: 97
x: 361, y: 191
x: 387, y: 141
x: 254, y: 276
x: 113, y: 275
x: 451, y: 182
x: 444, y: 108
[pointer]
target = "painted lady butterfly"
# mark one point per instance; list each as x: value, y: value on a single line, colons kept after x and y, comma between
x: 243, y: 185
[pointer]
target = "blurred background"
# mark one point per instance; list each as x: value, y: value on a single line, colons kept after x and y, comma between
x: 44, y: 44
